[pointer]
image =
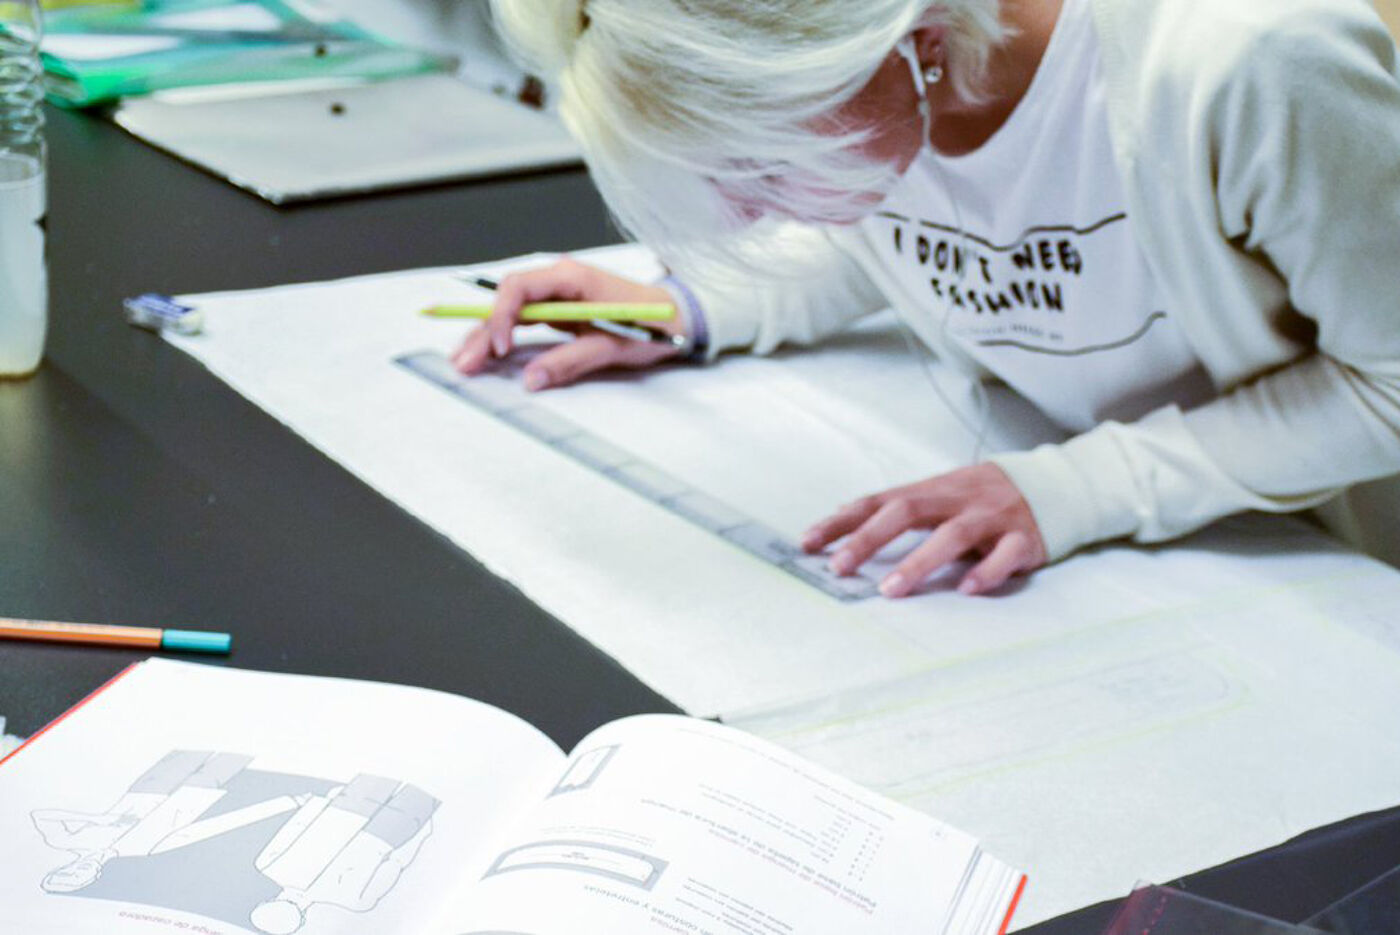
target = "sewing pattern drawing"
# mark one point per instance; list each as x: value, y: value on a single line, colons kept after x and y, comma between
x: 202, y: 832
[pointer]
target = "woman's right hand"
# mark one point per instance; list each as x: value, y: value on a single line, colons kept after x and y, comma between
x: 590, y: 351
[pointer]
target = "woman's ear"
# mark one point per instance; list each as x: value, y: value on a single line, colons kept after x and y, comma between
x: 929, y: 44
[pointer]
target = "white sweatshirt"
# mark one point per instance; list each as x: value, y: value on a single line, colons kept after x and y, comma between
x: 1259, y: 146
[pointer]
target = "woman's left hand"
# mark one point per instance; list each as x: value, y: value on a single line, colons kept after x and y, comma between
x: 974, y: 510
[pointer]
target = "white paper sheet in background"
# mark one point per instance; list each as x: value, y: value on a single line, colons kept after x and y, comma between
x: 294, y: 141
x: 1120, y: 689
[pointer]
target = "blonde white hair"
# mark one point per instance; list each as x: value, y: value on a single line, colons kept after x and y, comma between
x: 698, y: 117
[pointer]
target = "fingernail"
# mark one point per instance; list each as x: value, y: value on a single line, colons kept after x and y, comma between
x: 536, y: 380
x: 498, y: 345
x: 842, y: 563
x: 969, y: 586
x: 810, y: 540
x: 894, y: 586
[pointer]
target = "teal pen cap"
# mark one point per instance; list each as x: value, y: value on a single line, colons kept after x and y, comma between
x: 196, y: 641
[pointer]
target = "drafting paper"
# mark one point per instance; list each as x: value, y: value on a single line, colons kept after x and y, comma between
x: 1130, y: 713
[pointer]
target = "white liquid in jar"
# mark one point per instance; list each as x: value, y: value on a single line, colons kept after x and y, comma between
x: 24, y: 286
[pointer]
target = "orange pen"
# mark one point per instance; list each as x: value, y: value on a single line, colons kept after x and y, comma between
x: 200, y: 641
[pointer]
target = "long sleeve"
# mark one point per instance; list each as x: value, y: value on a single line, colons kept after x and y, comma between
x: 824, y: 292
x: 1298, y: 155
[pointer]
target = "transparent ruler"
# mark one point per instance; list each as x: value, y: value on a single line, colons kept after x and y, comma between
x: 507, y: 401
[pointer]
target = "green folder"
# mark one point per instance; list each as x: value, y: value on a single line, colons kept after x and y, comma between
x: 94, y: 54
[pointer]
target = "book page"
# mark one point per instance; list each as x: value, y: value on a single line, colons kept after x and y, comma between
x: 667, y: 824
x: 199, y: 799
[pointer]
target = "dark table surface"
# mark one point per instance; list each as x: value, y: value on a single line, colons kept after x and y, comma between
x: 137, y: 488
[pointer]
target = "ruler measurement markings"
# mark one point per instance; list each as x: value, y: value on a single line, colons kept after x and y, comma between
x: 503, y: 401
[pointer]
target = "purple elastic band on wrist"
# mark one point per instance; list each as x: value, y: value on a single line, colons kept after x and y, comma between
x: 694, y: 317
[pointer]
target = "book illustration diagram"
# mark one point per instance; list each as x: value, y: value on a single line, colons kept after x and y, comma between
x: 584, y: 770
x: 619, y: 864
x: 202, y: 832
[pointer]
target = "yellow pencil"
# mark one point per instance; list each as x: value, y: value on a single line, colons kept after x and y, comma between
x: 566, y: 311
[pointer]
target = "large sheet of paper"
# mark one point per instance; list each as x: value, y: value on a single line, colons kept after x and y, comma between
x: 1130, y: 713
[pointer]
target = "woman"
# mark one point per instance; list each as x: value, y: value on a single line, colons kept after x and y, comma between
x: 1170, y: 224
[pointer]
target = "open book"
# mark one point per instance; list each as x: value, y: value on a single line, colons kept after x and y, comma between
x: 192, y: 798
